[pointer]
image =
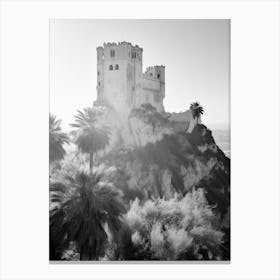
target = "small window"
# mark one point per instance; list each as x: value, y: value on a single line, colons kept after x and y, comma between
x: 112, y: 53
x: 151, y: 74
x: 98, y: 83
x: 111, y: 67
x: 117, y: 67
x: 158, y: 75
x: 133, y: 55
x: 98, y: 73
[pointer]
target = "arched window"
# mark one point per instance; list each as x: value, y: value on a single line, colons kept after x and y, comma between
x: 158, y: 75
x: 111, y: 67
x: 117, y: 67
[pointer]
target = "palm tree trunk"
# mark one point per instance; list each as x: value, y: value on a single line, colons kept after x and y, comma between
x: 84, y: 254
x: 90, y: 161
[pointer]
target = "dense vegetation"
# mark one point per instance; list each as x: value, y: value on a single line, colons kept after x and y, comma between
x: 118, y: 207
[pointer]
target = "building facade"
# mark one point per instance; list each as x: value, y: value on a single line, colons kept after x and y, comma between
x: 121, y: 82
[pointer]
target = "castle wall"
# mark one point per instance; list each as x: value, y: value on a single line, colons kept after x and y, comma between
x: 150, y: 83
x: 115, y: 83
x: 186, y: 120
x: 100, y: 73
x: 152, y: 92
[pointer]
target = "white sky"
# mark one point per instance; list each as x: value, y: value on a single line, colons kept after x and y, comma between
x: 196, y: 54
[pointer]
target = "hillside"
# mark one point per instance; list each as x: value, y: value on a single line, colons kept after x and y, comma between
x: 169, y: 162
x: 170, y: 188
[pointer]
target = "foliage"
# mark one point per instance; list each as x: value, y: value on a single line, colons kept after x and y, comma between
x: 90, y: 135
x: 71, y: 253
x: 72, y: 162
x: 197, y: 109
x: 88, y: 210
x: 85, y: 209
x: 177, y: 229
x: 149, y: 115
x: 57, y: 139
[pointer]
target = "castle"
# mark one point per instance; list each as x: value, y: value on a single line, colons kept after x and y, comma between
x: 121, y: 82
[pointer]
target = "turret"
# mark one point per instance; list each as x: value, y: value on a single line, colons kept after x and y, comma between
x: 154, y: 87
x: 159, y: 72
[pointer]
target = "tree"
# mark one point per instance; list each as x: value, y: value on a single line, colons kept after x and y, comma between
x: 81, y: 208
x: 197, y: 110
x: 57, y: 139
x: 90, y: 136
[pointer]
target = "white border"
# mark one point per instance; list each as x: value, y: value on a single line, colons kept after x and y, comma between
x: 254, y: 143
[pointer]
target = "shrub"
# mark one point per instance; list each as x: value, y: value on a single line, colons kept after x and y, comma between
x: 177, y: 229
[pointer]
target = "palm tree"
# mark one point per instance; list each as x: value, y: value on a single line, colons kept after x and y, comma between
x: 57, y: 139
x: 90, y: 136
x: 81, y: 207
x: 197, y: 110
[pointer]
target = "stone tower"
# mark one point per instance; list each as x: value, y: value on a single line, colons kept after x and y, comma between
x: 119, y: 73
x: 121, y: 82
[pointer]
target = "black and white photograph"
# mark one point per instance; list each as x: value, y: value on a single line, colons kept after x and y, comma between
x: 139, y: 140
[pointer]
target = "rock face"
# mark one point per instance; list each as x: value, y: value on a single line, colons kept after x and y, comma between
x: 154, y: 160
x: 157, y: 160
x: 143, y: 125
x: 177, y: 163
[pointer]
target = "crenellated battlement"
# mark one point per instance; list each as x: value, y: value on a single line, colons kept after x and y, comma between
x: 118, y: 44
x: 121, y: 50
x: 155, y: 72
x: 154, y: 67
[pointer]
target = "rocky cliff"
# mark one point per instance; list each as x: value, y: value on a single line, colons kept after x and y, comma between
x: 156, y: 157
x: 157, y: 161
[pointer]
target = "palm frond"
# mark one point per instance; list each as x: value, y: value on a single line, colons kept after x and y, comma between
x: 197, y: 109
x: 57, y: 139
x: 89, y: 136
x: 83, y: 205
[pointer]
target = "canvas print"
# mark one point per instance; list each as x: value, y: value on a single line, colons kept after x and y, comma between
x: 139, y: 140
